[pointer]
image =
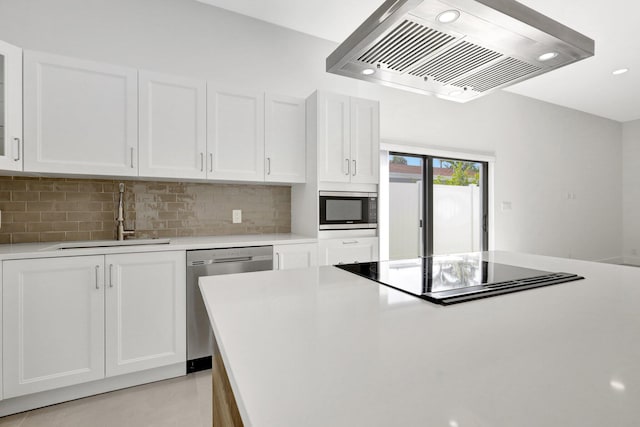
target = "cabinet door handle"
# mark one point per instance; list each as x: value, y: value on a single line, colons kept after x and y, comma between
x: 349, y: 242
x: 16, y: 156
x: 210, y: 162
x: 111, y: 275
x: 201, y: 162
x: 268, y: 165
x: 354, y: 168
x: 132, y: 157
x: 97, y: 273
x: 348, y: 166
x: 278, y: 261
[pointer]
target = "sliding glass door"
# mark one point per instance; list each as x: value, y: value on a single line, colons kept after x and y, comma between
x: 436, y: 205
x: 406, y: 204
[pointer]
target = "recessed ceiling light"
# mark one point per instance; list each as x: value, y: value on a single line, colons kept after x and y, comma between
x: 547, y: 56
x: 455, y: 93
x: 368, y: 71
x: 448, y: 16
x: 617, y: 385
x: 620, y: 71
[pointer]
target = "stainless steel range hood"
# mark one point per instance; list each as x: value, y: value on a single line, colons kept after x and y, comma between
x: 456, y: 49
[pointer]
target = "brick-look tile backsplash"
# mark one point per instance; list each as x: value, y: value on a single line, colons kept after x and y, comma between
x: 64, y: 209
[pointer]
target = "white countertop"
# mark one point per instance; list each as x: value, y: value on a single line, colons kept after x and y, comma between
x: 323, y: 347
x: 45, y: 250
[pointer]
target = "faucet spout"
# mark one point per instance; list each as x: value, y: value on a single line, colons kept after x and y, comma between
x: 121, y: 233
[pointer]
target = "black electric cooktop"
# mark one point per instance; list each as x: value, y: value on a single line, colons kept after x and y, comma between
x: 453, y: 279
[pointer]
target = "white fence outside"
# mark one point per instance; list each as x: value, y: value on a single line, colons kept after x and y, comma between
x: 457, y: 222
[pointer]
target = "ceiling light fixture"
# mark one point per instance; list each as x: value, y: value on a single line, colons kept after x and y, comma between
x: 448, y: 16
x: 620, y: 71
x: 547, y: 56
x: 617, y: 385
x: 368, y: 71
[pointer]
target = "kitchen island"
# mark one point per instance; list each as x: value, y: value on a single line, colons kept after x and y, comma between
x: 324, y: 347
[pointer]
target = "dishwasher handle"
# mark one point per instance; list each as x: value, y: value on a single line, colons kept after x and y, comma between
x: 234, y: 259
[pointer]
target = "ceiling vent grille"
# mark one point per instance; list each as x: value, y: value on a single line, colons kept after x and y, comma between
x: 407, y: 44
x: 502, y: 72
x: 456, y: 61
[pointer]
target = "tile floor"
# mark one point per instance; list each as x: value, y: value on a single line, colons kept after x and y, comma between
x: 178, y: 402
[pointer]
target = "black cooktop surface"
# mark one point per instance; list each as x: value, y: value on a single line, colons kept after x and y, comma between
x: 452, y: 279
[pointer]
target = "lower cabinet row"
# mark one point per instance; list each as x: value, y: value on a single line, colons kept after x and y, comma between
x: 71, y: 320
x: 325, y: 252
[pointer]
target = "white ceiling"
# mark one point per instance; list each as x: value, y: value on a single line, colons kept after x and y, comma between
x: 586, y: 86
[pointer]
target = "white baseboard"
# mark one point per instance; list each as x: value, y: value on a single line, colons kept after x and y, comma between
x: 51, y: 397
x: 632, y: 260
x: 612, y: 260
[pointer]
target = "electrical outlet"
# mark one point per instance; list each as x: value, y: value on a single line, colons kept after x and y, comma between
x: 236, y: 216
x: 634, y: 252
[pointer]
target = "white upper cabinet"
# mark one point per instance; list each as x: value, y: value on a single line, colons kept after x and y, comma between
x: 145, y: 311
x: 348, y: 132
x: 235, y: 134
x: 334, y: 137
x: 284, y: 143
x: 10, y: 107
x: 79, y: 116
x: 365, y: 141
x: 53, y: 329
x: 173, y: 127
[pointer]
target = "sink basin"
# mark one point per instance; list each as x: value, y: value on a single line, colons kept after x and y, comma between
x: 109, y: 243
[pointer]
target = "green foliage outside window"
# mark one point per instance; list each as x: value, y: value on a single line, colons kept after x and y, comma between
x: 464, y: 174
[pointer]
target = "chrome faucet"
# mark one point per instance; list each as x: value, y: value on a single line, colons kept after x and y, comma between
x: 121, y: 233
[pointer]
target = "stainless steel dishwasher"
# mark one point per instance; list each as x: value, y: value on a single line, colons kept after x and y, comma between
x: 212, y: 262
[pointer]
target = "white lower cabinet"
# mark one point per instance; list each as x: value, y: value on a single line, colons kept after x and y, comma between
x: 348, y: 250
x: 1, y: 395
x: 287, y: 257
x: 70, y: 320
x: 53, y: 328
x: 146, y: 311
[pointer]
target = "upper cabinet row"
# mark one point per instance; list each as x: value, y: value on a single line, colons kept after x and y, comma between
x: 96, y: 119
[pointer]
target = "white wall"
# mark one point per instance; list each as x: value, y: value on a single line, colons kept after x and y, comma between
x: 631, y: 191
x: 542, y: 151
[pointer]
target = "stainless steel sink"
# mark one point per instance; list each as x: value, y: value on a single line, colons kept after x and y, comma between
x: 109, y: 243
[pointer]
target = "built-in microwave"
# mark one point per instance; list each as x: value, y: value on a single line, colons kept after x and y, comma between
x: 347, y: 210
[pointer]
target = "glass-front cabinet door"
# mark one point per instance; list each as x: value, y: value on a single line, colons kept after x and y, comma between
x: 10, y: 107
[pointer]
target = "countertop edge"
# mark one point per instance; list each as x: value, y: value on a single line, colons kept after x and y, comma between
x: 48, y: 250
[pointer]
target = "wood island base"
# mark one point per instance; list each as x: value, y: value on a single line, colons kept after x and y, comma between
x: 225, y: 409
